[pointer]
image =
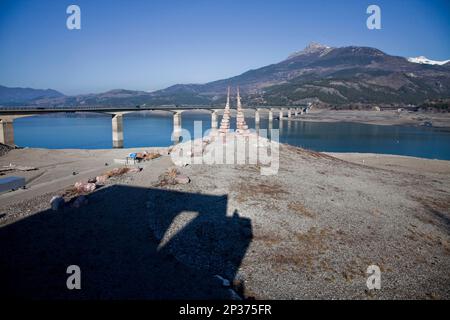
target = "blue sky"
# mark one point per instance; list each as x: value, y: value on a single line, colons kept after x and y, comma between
x: 152, y: 44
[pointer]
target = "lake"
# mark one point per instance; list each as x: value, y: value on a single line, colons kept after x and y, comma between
x: 82, y: 131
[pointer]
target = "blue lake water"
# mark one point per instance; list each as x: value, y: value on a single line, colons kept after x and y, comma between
x: 94, y: 132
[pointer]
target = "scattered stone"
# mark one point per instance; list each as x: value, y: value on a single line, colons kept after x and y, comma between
x: 117, y: 172
x: 101, y: 179
x: 172, y: 177
x: 80, y: 201
x: 151, y: 156
x: 57, y: 203
x: 85, y: 187
x: 182, y: 179
x: 92, y: 180
x: 74, y: 173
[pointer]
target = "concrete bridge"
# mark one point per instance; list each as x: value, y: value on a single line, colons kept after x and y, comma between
x: 8, y: 114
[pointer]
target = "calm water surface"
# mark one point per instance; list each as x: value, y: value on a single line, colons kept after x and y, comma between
x: 94, y: 132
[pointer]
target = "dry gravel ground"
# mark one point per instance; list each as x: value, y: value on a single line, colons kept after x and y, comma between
x: 309, y: 232
x: 321, y: 222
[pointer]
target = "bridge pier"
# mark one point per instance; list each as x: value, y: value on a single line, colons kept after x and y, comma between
x: 176, y: 126
x: 270, y: 115
x: 214, y: 120
x: 289, y: 112
x: 257, y: 117
x: 295, y: 112
x: 281, y: 114
x: 117, y: 130
x: 7, y: 132
x: 177, y: 121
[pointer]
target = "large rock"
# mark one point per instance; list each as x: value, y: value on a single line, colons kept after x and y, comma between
x: 85, y: 187
x: 101, y: 179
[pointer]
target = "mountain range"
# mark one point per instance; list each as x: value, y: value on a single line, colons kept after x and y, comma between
x: 330, y: 75
x: 19, y: 96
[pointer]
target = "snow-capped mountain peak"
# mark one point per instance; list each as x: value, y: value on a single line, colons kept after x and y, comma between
x: 313, y: 47
x: 425, y: 60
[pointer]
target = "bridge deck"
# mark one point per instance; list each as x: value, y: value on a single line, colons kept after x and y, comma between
x: 36, y: 110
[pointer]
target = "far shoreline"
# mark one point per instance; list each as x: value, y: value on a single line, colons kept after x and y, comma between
x: 381, y: 118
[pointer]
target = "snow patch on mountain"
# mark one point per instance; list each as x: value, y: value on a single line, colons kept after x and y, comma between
x: 425, y: 60
x: 313, y: 47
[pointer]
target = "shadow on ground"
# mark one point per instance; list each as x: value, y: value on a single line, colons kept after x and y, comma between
x: 125, y: 246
